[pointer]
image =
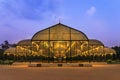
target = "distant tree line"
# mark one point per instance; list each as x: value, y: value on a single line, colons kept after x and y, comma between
x: 3, y: 46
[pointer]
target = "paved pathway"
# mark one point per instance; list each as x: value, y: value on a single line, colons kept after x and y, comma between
x: 97, y: 72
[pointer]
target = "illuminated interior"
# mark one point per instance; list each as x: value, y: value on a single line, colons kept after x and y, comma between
x: 60, y: 43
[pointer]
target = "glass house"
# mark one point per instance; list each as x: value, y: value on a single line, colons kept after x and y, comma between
x: 60, y: 43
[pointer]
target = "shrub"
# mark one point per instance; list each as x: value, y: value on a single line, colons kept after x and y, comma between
x: 109, y: 61
x: 7, y: 62
x: 1, y: 61
x: 11, y: 62
x: 113, y: 62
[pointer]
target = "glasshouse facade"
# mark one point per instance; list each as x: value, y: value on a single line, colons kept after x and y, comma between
x: 60, y: 43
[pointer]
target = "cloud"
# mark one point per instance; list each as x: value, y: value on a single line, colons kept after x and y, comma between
x: 91, y: 11
x: 29, y: 9
x: 17, y: 16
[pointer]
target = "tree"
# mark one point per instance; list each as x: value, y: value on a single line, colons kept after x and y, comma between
x: 5, y: 45
x: 117, y: 49
x: 1, y: 54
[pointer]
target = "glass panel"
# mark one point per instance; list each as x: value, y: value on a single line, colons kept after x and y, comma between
x: 59, y: 32
x: 42, y: 35
x: 41, y: 47
x: 59, y: 48
x: 95, y: 49
x: 79, y: 48
x: 76, y: 35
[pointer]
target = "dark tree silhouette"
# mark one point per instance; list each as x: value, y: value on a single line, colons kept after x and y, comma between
x: 5, y: 45
x: 117, y: 49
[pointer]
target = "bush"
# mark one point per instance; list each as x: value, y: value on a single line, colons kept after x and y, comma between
x: 11, y: 62
x: 7, y: 62
x: 113, y: 62
x: 109, y: 61
x: 1, y: 61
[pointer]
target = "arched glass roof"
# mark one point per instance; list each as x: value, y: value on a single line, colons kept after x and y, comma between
x: 59, y: 32
x: 26, y: 42
x: 10, y: 50
x: 95, y: 42
x: 109, y: 50
x: 15, y: 50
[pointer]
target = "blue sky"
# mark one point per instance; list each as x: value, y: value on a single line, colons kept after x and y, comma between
x: 98, y: 19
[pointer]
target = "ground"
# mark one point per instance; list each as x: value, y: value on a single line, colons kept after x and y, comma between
x: 97, y: 72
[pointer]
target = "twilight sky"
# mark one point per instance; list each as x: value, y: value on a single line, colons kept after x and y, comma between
x: 98, y: 19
